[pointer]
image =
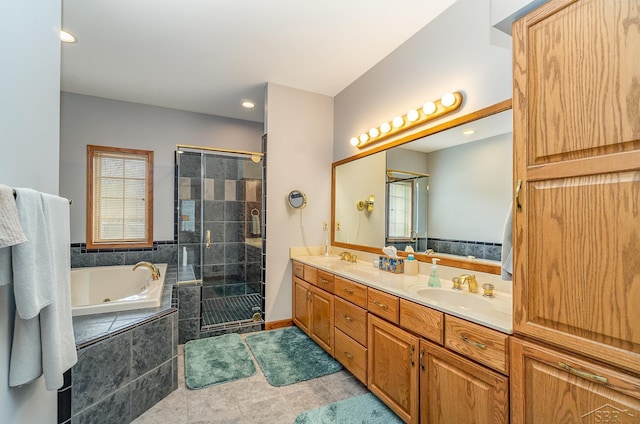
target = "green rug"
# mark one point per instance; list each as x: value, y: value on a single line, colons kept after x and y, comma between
x: 288, y: 356
x: 216, y: 360
x: 360, y: 409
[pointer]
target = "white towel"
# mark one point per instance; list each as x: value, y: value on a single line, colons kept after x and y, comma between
x: 10, y: 229
x: 45, y: 343
x: 255, y: 224
x: 6, y: 274
x: 32, y: 266
x: 507, y: 247
x: 58, y: 342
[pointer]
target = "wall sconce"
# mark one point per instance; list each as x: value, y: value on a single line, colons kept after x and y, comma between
x: 366, y: 204
x: 449, y: 102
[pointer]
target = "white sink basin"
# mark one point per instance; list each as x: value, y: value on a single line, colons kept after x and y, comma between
x: 464, y: 301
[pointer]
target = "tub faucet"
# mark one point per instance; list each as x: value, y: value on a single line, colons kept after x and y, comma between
x: 155, y: 272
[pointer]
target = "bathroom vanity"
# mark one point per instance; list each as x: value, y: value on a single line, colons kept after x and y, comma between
x: 430, y: 354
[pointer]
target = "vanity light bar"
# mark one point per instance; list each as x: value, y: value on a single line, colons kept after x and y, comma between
x: 449, y: 102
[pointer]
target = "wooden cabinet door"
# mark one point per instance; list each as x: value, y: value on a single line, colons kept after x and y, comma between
x: 301, y: 295
x: 456, y: 390
x: 321, y: 326
x: 577, y: 170
x: 393, y: 368
x: 552, y: 387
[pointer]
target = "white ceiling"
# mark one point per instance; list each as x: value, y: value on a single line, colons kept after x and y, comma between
x: 491, y: 126
x: 208, y: 55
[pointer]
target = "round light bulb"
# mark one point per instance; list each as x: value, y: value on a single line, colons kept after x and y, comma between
x: 374, y: 132
x: 67, y: 37
x: 429, y: 108
x: 354, y: 141
x: 364, y: 137
x: 412, y: 115
x: 398, y: 121
x: 385, y: 127
x: 447, y: 100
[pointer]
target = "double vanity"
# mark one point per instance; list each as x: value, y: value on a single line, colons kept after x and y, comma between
x: 420, y: 349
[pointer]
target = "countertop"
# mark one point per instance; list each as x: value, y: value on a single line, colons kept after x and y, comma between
x: 496, y: 312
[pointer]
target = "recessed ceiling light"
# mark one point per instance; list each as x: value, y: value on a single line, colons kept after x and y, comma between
x: 248, y: 104
x: 468, y: 132
x: 67, y: 37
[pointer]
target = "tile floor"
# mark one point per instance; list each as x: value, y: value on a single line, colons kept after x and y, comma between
x: 249, y: 401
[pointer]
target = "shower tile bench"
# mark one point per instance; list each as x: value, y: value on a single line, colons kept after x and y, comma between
x: 127, y: 362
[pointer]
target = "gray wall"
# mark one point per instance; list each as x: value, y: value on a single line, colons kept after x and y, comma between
x: 457, y: 51
x: 299, y: 127
x: 95, y: 120
x: 29, y: 128
x: 470, y: 190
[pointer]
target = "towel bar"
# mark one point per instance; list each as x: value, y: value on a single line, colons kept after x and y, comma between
x: 70, y: 200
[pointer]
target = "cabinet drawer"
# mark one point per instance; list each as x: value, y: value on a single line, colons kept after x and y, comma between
x: 310, y: 274
x: 350, y: 354
x: 297, y: 269
x: 383, y: 304
x: 483, y: 345
x: 325, y: 281
x: 351, y: 320
x: 353, y: 292
x: 422, y: 320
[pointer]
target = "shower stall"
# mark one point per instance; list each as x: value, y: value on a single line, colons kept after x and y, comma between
x: 220, y: 235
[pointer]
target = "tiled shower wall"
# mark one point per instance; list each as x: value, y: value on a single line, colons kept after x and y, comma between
x: 233, y: 214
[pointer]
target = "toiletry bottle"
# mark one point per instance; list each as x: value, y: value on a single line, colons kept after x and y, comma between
x: 434, y: 279
x: 411, y: 265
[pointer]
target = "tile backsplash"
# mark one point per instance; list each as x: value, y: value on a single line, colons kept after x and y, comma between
x: 161, y: 252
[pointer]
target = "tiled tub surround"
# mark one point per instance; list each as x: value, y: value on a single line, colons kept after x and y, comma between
x: 162, y: 252
x: 127, y: 362
x: 477, y: 249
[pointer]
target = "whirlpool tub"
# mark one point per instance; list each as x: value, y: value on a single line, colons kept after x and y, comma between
x: 114, y: 288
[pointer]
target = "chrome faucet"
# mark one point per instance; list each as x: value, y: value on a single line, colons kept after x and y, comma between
x: 346, y: 256
x: 155, y: 272
x: 458, y: 282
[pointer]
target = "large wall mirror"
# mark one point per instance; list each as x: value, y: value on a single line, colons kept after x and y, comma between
x: 444, y: 191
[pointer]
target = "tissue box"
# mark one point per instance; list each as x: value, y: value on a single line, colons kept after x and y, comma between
x: 395, y: 265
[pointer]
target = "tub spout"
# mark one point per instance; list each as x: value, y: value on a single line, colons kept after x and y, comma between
x: 155, y: 272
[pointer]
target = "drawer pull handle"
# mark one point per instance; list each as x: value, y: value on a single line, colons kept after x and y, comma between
x: 421, y: 359
x: 298, y: 270
x: 518, y: 188
x: 348, y: 355
x: 348, y: 291
x: 583, y: 374
x: 413, y: 349
x: 382, y: 305
x: 472, y: 343
x: 323, y: 280
x: 348, y: 318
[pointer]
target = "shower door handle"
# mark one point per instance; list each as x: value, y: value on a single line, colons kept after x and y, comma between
x: 208, y: 239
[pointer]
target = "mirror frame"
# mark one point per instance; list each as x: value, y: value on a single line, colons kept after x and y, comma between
x: 478, y: 265
x: 295, y: 195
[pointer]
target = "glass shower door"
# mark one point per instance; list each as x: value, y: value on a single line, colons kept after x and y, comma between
x: 223, y: 212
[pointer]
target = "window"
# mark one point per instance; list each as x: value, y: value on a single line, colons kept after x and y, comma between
x: 400, y: 209
x: 119, y: 197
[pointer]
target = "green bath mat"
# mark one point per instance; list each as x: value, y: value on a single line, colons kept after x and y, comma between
x: 216, y: 360
x: 359, y: 409
x: 288, y: 356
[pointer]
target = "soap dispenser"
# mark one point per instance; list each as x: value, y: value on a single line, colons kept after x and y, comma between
x: 434, y: 279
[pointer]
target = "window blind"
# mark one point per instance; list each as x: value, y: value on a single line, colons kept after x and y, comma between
x: 120, y: 202
x: 400, y: 209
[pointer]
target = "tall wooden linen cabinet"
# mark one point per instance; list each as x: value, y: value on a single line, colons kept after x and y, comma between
x: 576, y: 103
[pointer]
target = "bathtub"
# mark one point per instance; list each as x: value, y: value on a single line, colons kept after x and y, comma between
x: 114, y: 288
